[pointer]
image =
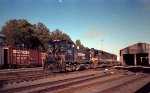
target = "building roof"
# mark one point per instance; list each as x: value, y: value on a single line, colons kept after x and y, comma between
x: 135, y: 45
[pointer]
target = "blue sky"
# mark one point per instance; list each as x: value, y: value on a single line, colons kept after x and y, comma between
x: 119, y: 23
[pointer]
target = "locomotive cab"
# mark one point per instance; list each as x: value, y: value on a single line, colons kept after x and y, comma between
x: 57, y: 53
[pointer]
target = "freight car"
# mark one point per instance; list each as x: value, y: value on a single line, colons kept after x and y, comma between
x: 65, y: 56
x: 12, y: 57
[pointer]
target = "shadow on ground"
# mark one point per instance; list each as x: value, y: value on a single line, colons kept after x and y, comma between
x: 137, y: 69
x: 144, y: 89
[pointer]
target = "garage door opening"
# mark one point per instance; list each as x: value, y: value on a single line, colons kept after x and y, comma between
x: 128, y: 59
x: 142, y: 59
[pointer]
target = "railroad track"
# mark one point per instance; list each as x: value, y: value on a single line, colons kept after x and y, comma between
x: 25, y: 77
x: 77, y: 83
x: 111, y: 85
x: 115, y: 88
x: 31, y: 75
x: 15, y: 72
x: 77, y: 88
x: 59, y: 84
x: 54, y: 85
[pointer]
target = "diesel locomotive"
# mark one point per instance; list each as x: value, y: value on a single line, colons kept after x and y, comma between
x: 64, y: 55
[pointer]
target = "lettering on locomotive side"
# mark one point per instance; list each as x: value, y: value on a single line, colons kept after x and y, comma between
x: 81, y: 54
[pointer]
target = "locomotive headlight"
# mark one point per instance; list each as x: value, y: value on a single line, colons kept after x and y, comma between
x: 50, y: 50
x: 77, y: 47
x: 73, y: 46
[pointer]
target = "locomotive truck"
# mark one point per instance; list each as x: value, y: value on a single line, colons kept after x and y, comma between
x: 64, y: 55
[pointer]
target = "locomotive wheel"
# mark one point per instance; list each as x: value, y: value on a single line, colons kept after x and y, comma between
x: 95, y: 65
x: 67, y: 67
x: 92, y: 65
x: 70, y: 67
x: 56, y: 67
x: 78, y: 67
x: 81, y: 67
x: 74, y: 67
x: 88, y: 66
x: 47, y: 67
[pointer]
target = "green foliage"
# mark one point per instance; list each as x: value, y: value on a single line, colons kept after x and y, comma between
x: 78, y: 43
x: 43, y: 35
x: 20, y: 33
x: 59, y: 35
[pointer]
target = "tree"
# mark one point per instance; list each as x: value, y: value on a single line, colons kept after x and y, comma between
x: 43, y: 35
x: 20, y: 33
x: 8, y: 30
x: 78, y: 43
x: 59, y: 35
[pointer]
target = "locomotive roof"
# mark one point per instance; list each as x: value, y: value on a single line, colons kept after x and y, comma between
x: 62, y: 41
x: 1, y: 35
x: 101, y: 51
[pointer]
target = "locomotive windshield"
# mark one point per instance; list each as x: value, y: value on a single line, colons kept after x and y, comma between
x: 58, y: 44
x: 58, y: 48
